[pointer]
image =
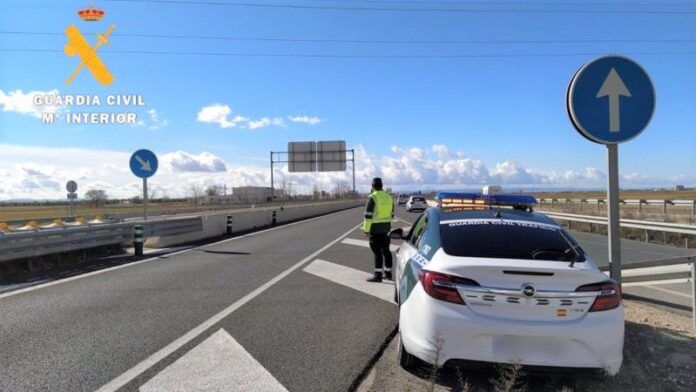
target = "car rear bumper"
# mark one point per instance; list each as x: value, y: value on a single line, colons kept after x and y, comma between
x: 593, y: 341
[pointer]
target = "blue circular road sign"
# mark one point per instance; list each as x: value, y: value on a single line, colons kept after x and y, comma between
x: 610, y: 100
x: 143, y: 163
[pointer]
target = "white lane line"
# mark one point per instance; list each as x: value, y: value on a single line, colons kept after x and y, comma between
x: 138, y: 369
x: 350, y: 277
x: 365, y: 243
x: 404, y: 221
x: 668, y: 291
x: 220, y: 363
x: 165, y: 256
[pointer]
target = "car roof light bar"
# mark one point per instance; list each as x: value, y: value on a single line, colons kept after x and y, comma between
x: 454, y: 199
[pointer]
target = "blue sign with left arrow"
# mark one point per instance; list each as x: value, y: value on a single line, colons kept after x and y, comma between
x: 610, y: 100
x: 143, y: 163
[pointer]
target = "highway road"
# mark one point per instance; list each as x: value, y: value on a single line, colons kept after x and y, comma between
x: 280, y: 309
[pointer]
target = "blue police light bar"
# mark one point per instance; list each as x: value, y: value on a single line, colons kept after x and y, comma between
x: 459, y: 198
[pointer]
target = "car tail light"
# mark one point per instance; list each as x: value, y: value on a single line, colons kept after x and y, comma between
x: 609, y: 297
x: 442, y: 286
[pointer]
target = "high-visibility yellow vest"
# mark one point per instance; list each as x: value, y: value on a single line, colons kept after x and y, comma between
x: 384, y: 208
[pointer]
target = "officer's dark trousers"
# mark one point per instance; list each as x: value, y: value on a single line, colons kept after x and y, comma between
x: 379, y: 243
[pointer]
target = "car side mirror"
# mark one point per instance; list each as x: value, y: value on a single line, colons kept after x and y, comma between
x: 396, y: 234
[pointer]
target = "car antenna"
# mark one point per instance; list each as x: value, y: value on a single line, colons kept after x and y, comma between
x: 572, y: 262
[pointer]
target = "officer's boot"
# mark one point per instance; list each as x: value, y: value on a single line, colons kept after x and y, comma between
x: 387, y: 274
x: 377, y: 278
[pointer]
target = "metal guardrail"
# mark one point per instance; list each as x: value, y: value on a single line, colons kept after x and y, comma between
x: 649, y: 226
x: 678, y: 228
x: 663, y: 271
x: 24, y: 244
x: 42, y: 242
x: 665, y: 203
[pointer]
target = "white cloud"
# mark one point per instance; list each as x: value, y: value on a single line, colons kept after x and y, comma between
x: 309, y: 120
x: 265, y: 121
x: 23, y: 175
x: 180, y: 161
x: 23, y: 103
x: 514, y: 173
x: 440, y: 150
x: 219, y: 114
x: 154, y: 121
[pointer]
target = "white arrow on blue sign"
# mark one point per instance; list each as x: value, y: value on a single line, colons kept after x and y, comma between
x: 610, y: 100
x: 143, y: 163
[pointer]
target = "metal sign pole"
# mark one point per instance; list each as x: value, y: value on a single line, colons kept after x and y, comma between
x: 693, y: 294
x: 143, y: 164
x: 145, y: 198
x: 353, y: 160
x: 272, y: 188
x: 613, y: 213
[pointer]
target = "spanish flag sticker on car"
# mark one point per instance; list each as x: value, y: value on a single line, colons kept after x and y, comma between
x: 560, y: 312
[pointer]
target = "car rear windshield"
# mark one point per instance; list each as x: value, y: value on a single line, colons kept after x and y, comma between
x: 418, y: 199
x: 505, y: 239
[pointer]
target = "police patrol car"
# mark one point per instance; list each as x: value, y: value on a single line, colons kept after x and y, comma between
x: 495, y: 282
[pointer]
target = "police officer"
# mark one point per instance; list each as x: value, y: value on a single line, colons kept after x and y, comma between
x: 379, y: 212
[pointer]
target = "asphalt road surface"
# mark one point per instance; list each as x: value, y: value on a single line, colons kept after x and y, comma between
x: 281, y: 309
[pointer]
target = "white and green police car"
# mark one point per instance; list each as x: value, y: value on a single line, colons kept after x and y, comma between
x: 495, y: 282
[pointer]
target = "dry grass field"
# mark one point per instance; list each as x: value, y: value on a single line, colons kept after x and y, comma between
x: 624, y: 194
x: 15, y: 213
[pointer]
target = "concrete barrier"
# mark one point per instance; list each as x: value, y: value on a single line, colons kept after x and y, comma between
x: 215, y: 225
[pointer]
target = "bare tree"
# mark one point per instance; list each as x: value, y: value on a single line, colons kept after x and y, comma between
x: 315, y: 191
x: 195, y: 191
x: 286, y: 186
x: 98, y: 196
x: 213, y: 190
x: 341, y: 190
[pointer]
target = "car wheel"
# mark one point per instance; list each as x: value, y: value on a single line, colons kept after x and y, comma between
x: 406, y: 360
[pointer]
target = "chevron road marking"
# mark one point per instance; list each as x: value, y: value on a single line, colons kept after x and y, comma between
x: 219, y: 363
x: 350, y: 277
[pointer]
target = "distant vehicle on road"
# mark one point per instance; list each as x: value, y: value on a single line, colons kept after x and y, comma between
x: 492, y: 190
x: 495, y: 282
x: 416, y: 203
x: 403, y: 198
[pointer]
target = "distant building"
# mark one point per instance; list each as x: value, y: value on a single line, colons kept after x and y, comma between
x: 219, y: 199
x: 679, y: 188
x: 256, y: 194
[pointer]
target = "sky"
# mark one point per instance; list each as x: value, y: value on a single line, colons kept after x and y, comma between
x: 420, y: 110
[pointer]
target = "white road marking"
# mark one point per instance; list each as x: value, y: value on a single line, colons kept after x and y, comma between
x: 165, y: 256
x: 365, y: 243
x: 352, y: 278
x: 220, y: 363
x: 152, y: 360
